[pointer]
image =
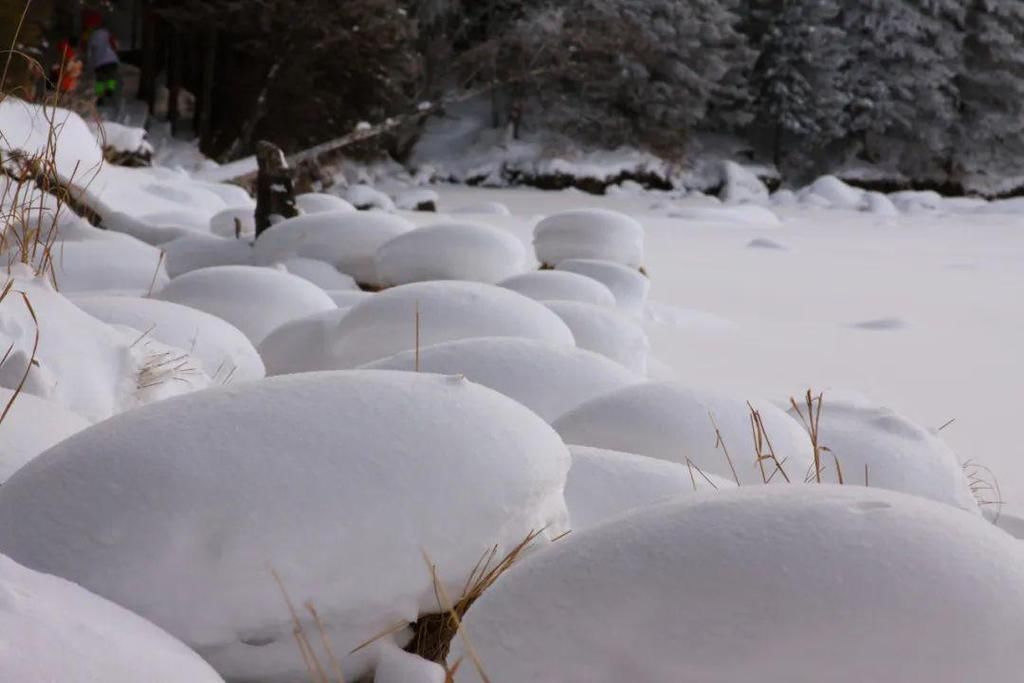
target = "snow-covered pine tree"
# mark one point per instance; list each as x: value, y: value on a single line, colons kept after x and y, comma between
x: 902, y: 80
x: 800, y: 97
x: 990, y: 137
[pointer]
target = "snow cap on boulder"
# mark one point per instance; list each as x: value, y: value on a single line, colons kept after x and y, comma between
x: 556, y: 285
x: 450, y: 251
x: 627, y: 285
x: 606, y: 331
x: 591, y: 234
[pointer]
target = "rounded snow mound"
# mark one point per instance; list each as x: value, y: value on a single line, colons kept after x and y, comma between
x: 450, y: 251
x: 255, y: 300
x: 321, y: 274
x: 337, y: 481
x: 96, y: 265
x: 192, y: 252
x: 385, y: 323
x: 347, y: 298
x: 678, y: 423
x: 319, y: 202
x: 591, y: 234
x: 834, y: 192
x: 1009, y: 518
x: 555, y: 285
x: 348, y: 240
x: 549, y: 380
x: 604, y: 484
x: 302, y: 345
x: 417, y: 199
x: 627, y: 285
x: 774, y: 585
x: 605, y: 331
x: 226, y: 353
x: 87, y: 366
x: 57, y: 631
x: 365, y: 197
x: 234, y: 222
x: 32, y: 426
x: 889, y: 450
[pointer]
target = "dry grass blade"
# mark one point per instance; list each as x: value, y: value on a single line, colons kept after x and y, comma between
x: 984, y: 486
x: 326, y: 643
x: 720, y: 443
x: 309, y: 657
x: 693, y: 468
x: 763, y: 449
x: 812, y: 423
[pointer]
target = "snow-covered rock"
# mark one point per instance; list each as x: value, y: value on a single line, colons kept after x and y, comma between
x: 127, y: 266
x: 557, y: 285
x: 604, y: 484
x: 337, y: 481
x: 889, y: 450
x: 911, y: 200
x: 26, y: 128
x: 302, y: 345
x: 235, y: 222
x: 255, y: 300
x: 740, y: 185
x: 120, y: 138
x: 880, y: 205
x: 56, y: 631
x: 627, y: 285
x: 590, y: 234
x: 834, y: 192
x: 347, y: 240
x: 776, y: 585
x: 224, y: 351
x: 677, y: 423
x: 385, y: 324
x: 549, y: 380
x: 450, y: 251
x: 320, y: 202
x: 320, y: 273
x: 364, y: 197
x: 606, y: 331
x: 417, y: 199
x: 194, y: 251
x: 32, y: 426
x: 83, y: 364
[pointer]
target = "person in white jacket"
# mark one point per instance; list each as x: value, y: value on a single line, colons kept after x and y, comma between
x: 102, y: 57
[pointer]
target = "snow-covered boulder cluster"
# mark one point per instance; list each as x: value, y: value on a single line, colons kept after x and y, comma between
x: 246, y: 449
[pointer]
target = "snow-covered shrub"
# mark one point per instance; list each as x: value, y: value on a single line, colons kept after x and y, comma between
x: 450, y: 251
x: 339, y: 482
x: 57, y: 631
x: 255, y: 300
x: 591, y: 234
x: 768, y: 584
x: 225, y: 353
x: 606, y: 331
x: 347, y: 240
x: 604, y: 484
x: 386, y: 324
x: 321, y: 202
x: 550, y: 380
x: 629, y: 287
x: 554, y: 285
x: 677, y: 423
x: 884, y: 448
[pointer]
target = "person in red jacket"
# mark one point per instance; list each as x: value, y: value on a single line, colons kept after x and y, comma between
x: 66, y: 71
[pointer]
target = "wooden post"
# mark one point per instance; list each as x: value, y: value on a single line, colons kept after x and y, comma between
x: 275, y: 190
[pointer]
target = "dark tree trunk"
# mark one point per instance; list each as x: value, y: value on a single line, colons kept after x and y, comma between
x: 275, y: 189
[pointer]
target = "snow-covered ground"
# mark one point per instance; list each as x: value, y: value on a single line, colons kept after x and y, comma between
x: 919, y: 312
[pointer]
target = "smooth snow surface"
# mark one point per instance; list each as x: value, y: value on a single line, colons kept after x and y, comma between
x: 590, y: 234
x: 775, y: 585
x: 627, y: 285
x: 323, y: 275
x: 53, y: 630
x: 677, y: 423
x: 32, y: 426
x: 255, y: 300
x: 338, y: 481
x: 348, y: 240
x: 225, y: 352
x: 96, y: 265
x: 555, y: 285
x: 450, y: 251
x: 319, y: 202
x: 605, y: 331
x: 87, y: 366
x: 605, y: 484
x: 891, y: 452
x: 548, y: 379
x: 385, y: 323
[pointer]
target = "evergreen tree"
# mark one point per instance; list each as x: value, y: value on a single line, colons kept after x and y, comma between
x: 801, y: 99
x: 902, y: 79
x: 991, y: 132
